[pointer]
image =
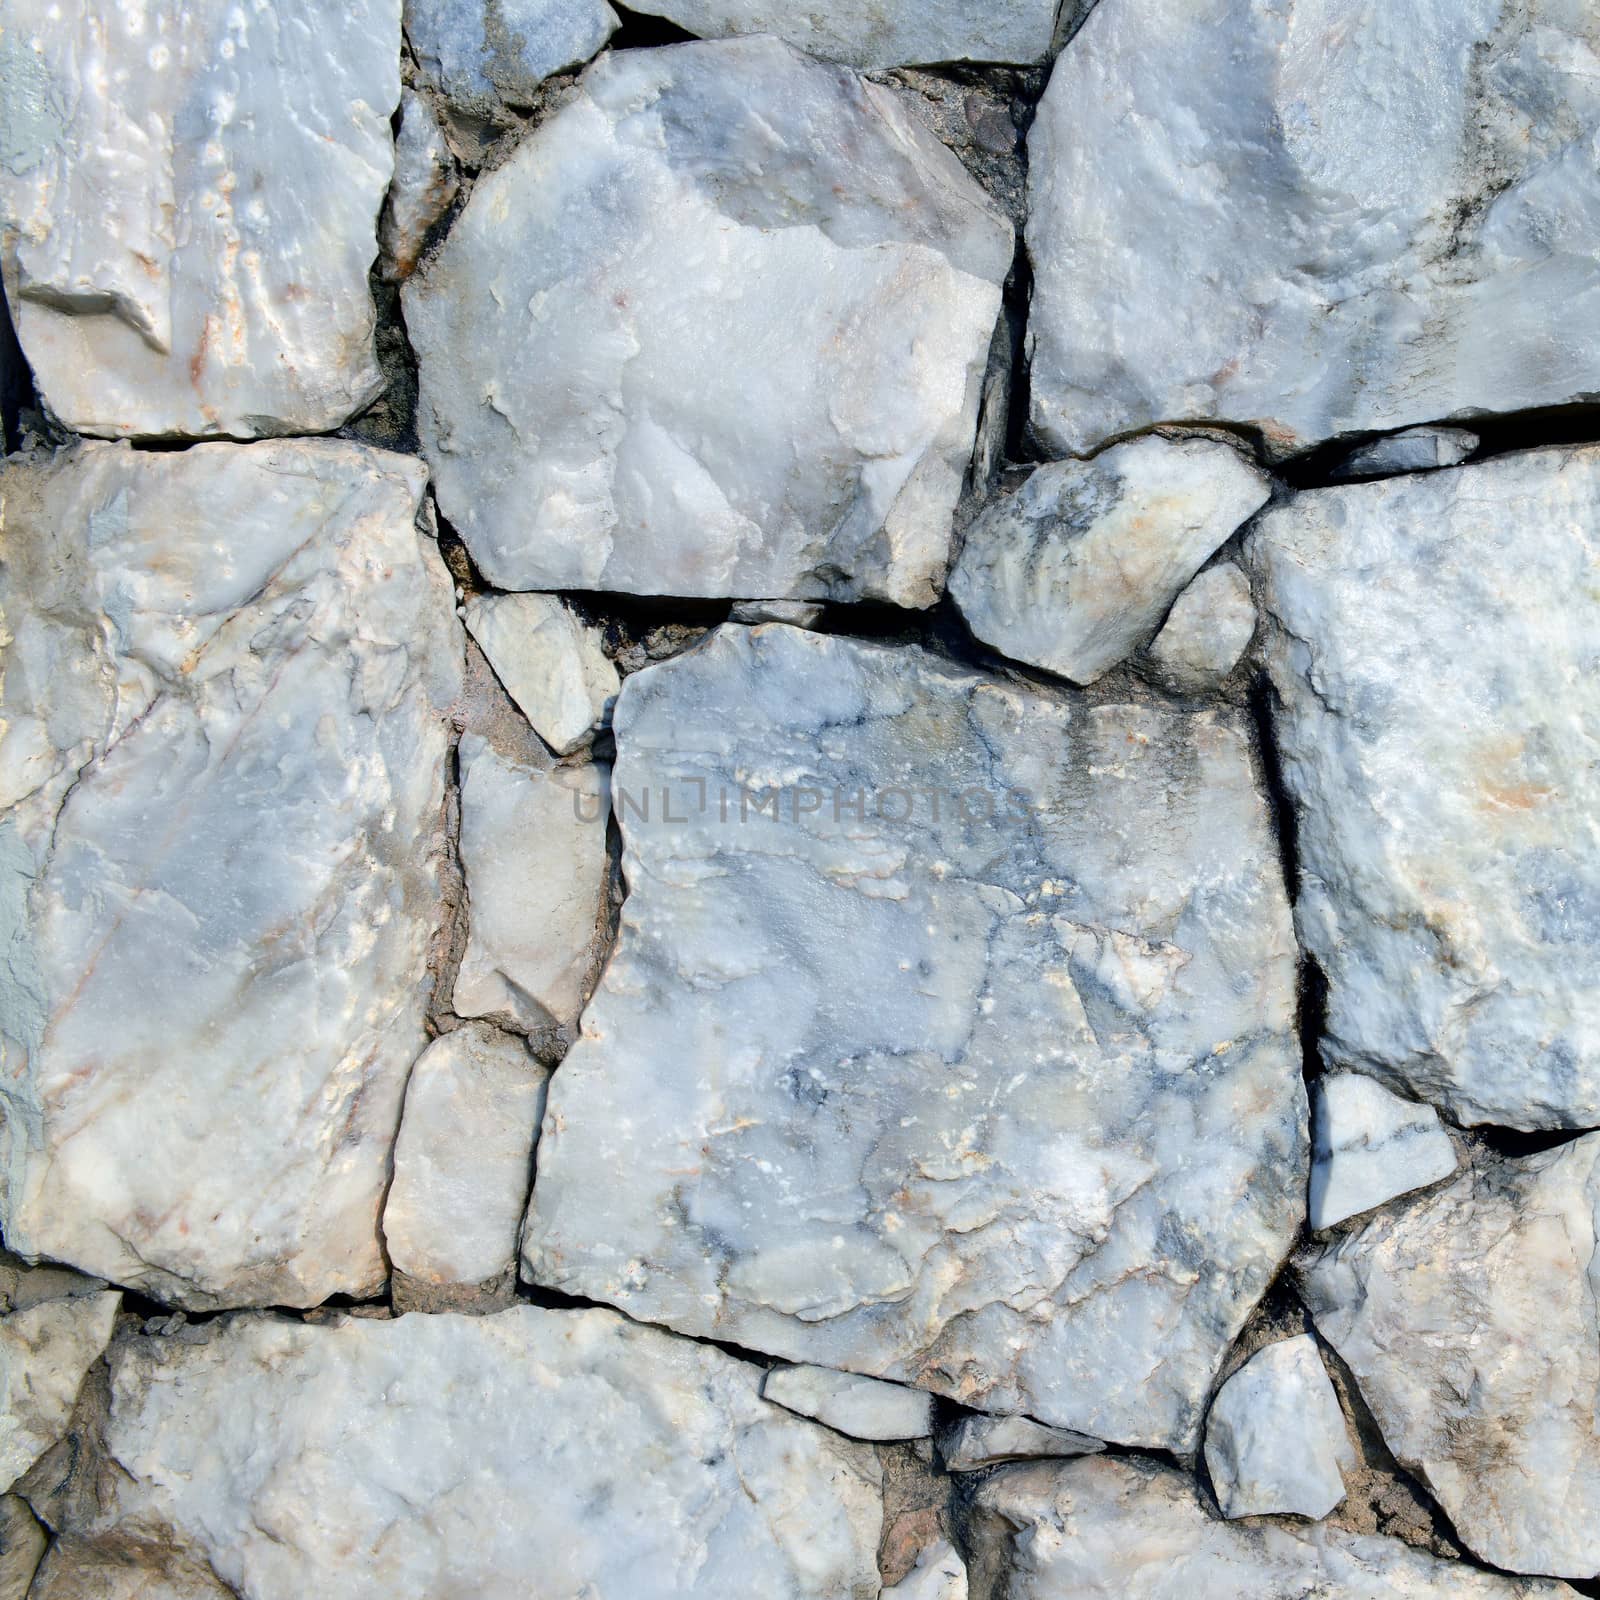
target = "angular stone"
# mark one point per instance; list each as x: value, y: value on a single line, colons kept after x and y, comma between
x: 1002, y: 1102
x: 1368, y: 1146
x: 44, y: 1353
x: 939, y: 1574
x: 1468, y: 1318
x: 463, y: 1162
x: 1430, y: 639
x: 835, y: 284
x: 424, y: 185
x: 1133, y: 1530
x: 227, y: 676
x: 864, y: 1408
x: 73, y: 1570
x: 1076, y: 570
x: 551, y: 664
x: 1206, y: 633
x: 483, y: 55
x: 1275, y: 1436
x: 1411, y: 450
x: 978, y: 1441
x: 189, y: 198
x: 892, y: 33
x: 434, y: 1455
x: 22, y: 1543
x: 533, y: 848
x: 1314, y: 220
x: 797, y: 613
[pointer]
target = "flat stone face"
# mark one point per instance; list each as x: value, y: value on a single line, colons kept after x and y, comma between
x: 463, y: 1161
x: 685, y: 212
x: 1275, y: 1436
x: 190, y: 194
x: 1314, y: 219
x: 1368, y: 1145
x: 1468, y: 1318
x: 1431, y: 642
x: 1001, y: 1102
x: 533, y: 848
x: 226, y: 677
x: 1109, y: 1528
x: 1077, y: 569
x: 436, y: 1455
x: 1206, y: 633
x: 886, y: 33
x: 864, y: 1408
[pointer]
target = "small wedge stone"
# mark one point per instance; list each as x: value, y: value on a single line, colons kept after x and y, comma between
x: 864, y: 1408
x: 1368, y: 1145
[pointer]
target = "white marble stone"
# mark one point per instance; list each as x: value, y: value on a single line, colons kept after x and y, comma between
x: 1368, y: 1145
x: 551, y: 664
x: 1314, y: 219
x: 1206, y: 633
x: 864, y: 1408
x: 447, y: 1455
x: 978, y: 1441
x: 1468, y: 1318
x: 189, y: 198
x: 533, y: 848
x: 1276, y: 1441
x: 1410, y: 450
x: 424, y: 186
x: 1077, y: 569
x: 939, y: 1574
x: 1431, y: 642
x: 1110, y: 1528
x: 786, y: 232
x: 45, y: 1352
x: 882, y: 33
x: 1003, y: 1102
x: 463, y: 1162
x: 227, y: 672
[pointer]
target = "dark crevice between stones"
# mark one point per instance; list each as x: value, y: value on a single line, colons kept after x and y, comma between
x: 18, y: 397
x: 390, y: 422
x: 642, y: 32
x: 1515, y: 1142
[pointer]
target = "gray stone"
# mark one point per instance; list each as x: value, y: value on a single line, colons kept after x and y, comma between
x: 1411, y: 450
x: 1314, y: 219
x: 1431, y: 642
x: 189, y: 198
x: 551, y: 664
x: 1110, y: 1528
x: 22, y: 1543
x: 533, y: 849
x: 1206, y: 633
x: 1368, y: 1145
x: 864, y: 1408
x: 797, y: 613
x: 1468, y: 1318
x: 424, y: 186
x: 978, y: 1441
x: 1003, y: 1101
x: 449, y: 1455
x: 73, y: 1570
x: 1077, y: 569
x: 463, y: 1162
x: 887, y: 33
x: 1275, y: 1436
x: 784, y: 230
x: 227, y: 677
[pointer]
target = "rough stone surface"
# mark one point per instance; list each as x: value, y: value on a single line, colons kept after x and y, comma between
x: 783, y: 228
x: 1110, y: 1528
x: 226, y: 677
x: 1003, y: 1103
x: 978, y: 1441
x: 424, y: 186
x: 44, y: 1353
x: 551, y: 664
x: 189, y: 197
x: 888, y: 33
x: 865, y: 1408
x: 797, y: 613
x: 1468, y: 1318
x: 73, y: 1570
x: 533, y: 848
x: 1436, y: 732
x: 464, y: 1159
x: 938, y: 1575
x: 1206, y: 633
x: 1368, y: 1145
x: 1077, y: 569
x: 1314, y: 219
x: 1275, y: 1436
x: 1411, y: 450
x: 22, y: 1543
x: 427, y: 1456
